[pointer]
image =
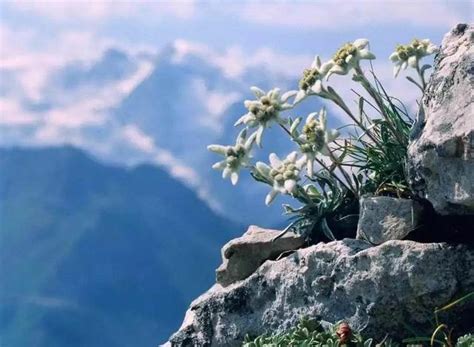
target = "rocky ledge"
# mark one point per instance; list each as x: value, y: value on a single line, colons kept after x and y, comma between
x: 379, y: 290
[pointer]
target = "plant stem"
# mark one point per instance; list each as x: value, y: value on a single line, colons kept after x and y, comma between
x: 334, y: 97
x: 422, y: 77
x: 324, y: 165
x: 376, y: 96
x: 344, y: 173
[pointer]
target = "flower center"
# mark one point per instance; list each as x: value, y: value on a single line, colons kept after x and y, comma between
x: 314, y: 135
x: 234, y: 156
x: 340, y: 57
x: 265, y: 110
x: 286, y: 171
x: 310, y: 76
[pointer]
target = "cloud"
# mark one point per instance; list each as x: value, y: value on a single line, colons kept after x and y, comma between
x: 137, y: 138
x: 99, y: 10
x: 331, y: 15
x: 235, y: 60
x: 12, y: 113
x: 216, y: 103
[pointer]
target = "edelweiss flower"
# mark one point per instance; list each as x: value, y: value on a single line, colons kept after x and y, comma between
x: 265, y: 110
x: 315, y: 138
x: 311, y: 82
x: 284, y: 174
x: 410, y: 54
x: 348, y: 57
x: 236, y: 156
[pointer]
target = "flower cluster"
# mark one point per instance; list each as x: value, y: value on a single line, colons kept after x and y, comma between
x: 376, y: 148
x: 265, y: 110
x: 410, y: 54
x: 315, y: 138
x: 236, y: 156
x: 311, y: 82
x: 283, y: 174
x: 348, y: 57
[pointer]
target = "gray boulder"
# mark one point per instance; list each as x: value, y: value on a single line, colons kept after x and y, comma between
x: 380, y: 289
x: 383, y: 218
x: 243, y: 255
x: 441, y: 154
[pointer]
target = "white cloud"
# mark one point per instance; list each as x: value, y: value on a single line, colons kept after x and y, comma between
x: 12, y: 113
x: 331, y: 15
x: 98, y: 10
x: 132, y: 134
x: 216, y: 104
x: 235, y: 60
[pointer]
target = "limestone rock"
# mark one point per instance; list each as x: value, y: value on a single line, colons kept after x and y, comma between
x: 383, y: 218
x: 378, y: 289
x: 441, y: 154
x: 243, y: 255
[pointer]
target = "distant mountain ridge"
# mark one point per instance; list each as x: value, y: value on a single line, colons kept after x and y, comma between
x: 95, y: 255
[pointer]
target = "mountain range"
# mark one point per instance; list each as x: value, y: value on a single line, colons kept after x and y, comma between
x: 97, y: 255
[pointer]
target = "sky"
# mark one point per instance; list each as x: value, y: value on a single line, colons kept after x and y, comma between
x: 38, y: 39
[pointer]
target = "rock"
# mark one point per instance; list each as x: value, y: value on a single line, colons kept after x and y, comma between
x: 383, y: 218
x: 441, y: 154
x: 242, y: 256
x: 380, y: 289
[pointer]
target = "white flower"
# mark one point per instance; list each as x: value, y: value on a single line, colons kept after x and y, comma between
x: 265, y: 110
x: 410, y: 55
x: 315, y: 138
x: 284, y: 174
x: 311, y: 82
x: 348, y: 57
x: 236, y: 156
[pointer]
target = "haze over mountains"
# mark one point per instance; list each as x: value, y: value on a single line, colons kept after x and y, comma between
x: 163, y: 109
x: 97, y: 255
x: 104, y: 248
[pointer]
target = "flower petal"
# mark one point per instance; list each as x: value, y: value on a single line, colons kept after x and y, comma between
x: 258, y: 138
x: 257, y: 91
x: 366, y: 54
x: 241, y: 137
x: 361, y: 43
x: 413, y: 61
x: 275, y: 162
x: 317, y: 87
x: 234, y: 178
x: 309, y: 167
x: 299, y: 96
x: 336, y: 69
x: 227, y: 172
x: 263, y: 168
x: 295, y: 124
x: 290, y: 185
x: 394, y: 57
x: 326, y: 67
x: 219, y: 165
x: 292, y: 156
x: 270, y: 197
x: 311, y: 116
x: 219, y: 149
x: 288, y: 94
x: 250, y: 141
x: 331, y: 135
x: 396, y: 69
x: 323, y: 118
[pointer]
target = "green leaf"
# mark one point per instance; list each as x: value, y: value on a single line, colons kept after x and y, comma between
x: 326, y: 230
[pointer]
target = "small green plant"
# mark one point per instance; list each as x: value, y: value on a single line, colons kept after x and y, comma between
x: 310, y: 333
x: 330, y: 168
